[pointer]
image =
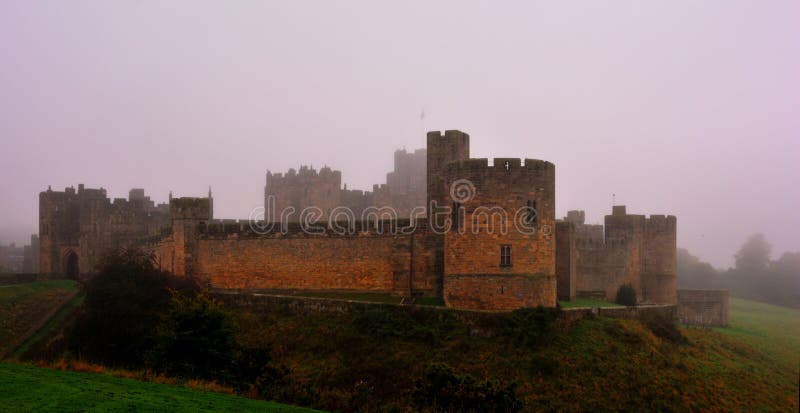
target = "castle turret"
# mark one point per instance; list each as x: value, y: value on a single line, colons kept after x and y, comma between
x: 442, y: 149
x: 187, y: 215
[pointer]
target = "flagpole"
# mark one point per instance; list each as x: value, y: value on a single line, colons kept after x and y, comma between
x: 422, y: 121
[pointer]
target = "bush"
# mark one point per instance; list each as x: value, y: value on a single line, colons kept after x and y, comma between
x: 124, y: 305
x: 543, y: 365
x: 403, y: 323
x: 666, y: 329
x: 442, y: 389
x: 195, y: 340
x: 626, y: 295
x: 531, y: 327
x: 255, y: 372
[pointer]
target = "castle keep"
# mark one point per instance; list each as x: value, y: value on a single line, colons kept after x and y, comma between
x: 481, y: 235
x: 77, y: 227
x: 297, y: 190
x: 631, y: 249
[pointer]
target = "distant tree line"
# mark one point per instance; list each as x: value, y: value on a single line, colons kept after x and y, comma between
x: 755, y: 275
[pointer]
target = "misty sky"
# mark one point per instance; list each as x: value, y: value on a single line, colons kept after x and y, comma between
x: 689, y: 108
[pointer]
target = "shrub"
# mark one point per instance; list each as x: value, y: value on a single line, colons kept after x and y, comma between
x: 123, y: 307
x: 626, y: 295
x: 531, y: 327
x: 666, y: 329
x: 196, y: 340
x: 443, y: 389
x: 402, y: 323
x: 544, y: 365
x: 255, y: 371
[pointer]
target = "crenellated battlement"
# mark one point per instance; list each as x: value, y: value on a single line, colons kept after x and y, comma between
x: 245, y: 228
x: 593, y: 243
x: 501, y: 166
x: 77, y: 226
x: 661, y: 222
x: 305, y: 172
x: 190, y: 208
x: 492, y: 241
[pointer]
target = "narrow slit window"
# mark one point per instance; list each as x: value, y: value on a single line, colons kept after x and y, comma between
x: 505, y: 255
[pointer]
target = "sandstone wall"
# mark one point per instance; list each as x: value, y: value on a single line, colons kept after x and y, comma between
x: 375, y: 257
x: 659, y: 263
x: 601, y: 268
x: 566, y: 260
x: 502, y: 192
x: 499, y: 292
x: 703, y: 307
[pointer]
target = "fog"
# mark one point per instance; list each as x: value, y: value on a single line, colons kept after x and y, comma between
x: 676, y: 107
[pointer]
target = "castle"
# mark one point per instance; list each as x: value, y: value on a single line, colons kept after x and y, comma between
x: 403, y: 191
x: 481, y: 236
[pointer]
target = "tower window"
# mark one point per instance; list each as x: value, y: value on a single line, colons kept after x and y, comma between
x: 505, y: 255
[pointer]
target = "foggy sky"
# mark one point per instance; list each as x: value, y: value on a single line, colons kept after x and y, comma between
x: 678, y: 107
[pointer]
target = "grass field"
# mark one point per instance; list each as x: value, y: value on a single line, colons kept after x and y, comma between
x: 52, y: 324
x: 774, y: 330
x: 587, y: 302
x: 598, y: 364
x: 28, y: 388
x: 337, y: 363
x: 24, y: 305
x: 371, y: 297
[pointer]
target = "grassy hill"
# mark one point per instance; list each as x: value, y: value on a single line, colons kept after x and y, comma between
x: 772, y: 330
x: 597, y: 364
x: 28, y: 388
x: 23, y: 306
x: 378, y: 360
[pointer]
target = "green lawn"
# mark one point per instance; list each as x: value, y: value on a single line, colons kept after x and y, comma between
x: 22, y: 306
x: 773, y: 329
x: 28, y: 388
x: 587, y: 302
x: 370, y: 297
x: 13, y: 291
x: 54, y: 323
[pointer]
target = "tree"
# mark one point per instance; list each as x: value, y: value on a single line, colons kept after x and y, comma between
x: 754, y: 255
x: 694, y: 273
x: 124, y: 304
x: 196, y: 339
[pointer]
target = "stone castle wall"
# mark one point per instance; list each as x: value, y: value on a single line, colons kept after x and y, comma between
x: 76, y: 228
x: 233, y: 255
x: 703, y: 307
x: 508, y: 210
x: 601, y: 268
x: 631, y: 249
x: 499, y: 292
x: 566, y: 260
x: 488, y: 205
x: 322, y: 190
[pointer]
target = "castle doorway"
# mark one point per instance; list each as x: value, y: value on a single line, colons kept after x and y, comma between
x: 72, y: 265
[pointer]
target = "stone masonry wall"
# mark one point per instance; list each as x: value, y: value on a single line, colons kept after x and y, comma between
x: 86, y: 224
x: 479, y: 323
x: 306, y: 263
x: 237, y: 258
x: 703, y: 307
x: 601, y: 268
x: 659, y: 265
x: 566, y: 259
x: 499, y: 292
x: 502, y: 192
x: 635, y: 250
x: 492, y: 215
